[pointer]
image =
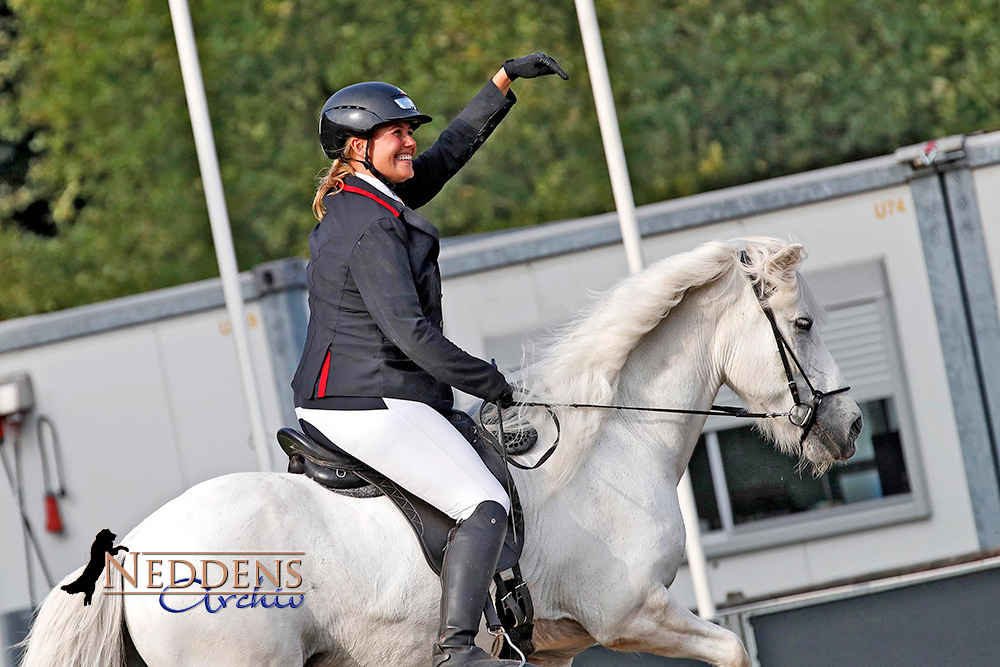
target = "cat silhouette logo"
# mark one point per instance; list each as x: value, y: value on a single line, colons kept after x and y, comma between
x: 103, y: 544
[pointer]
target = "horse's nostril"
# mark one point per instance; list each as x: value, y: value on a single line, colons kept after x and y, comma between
x: 855, y: 429
x: 847, y: 451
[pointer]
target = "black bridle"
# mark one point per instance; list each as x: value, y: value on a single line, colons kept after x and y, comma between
x: 802, y: 413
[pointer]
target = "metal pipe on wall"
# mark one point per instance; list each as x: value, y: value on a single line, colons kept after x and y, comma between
x: 218, y: 216
x: 624, y: 202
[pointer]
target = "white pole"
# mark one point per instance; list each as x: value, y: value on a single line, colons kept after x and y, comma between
x: 622, y: 189
x: 611, y: 135
x: 218, y: 216
x: 695, y: 551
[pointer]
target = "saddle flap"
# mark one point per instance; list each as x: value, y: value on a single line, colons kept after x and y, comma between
x: 313, y: 454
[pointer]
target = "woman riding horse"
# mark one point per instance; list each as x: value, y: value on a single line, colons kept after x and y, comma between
x: 376, y: 374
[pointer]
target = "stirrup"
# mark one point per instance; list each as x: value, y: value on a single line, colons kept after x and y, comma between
x: 500, y: 636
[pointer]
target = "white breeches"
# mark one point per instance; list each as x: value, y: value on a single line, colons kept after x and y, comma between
x: 415, y: 446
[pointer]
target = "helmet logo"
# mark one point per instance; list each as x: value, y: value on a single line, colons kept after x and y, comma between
x: 405, y: 103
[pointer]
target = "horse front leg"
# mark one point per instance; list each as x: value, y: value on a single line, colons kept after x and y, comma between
x: 662, y: 626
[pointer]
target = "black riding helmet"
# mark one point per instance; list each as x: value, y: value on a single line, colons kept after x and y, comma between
x: 355, y: 111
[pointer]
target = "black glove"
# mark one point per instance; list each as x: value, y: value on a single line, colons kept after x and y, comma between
x: 506, y: 397
x: 528, y: 67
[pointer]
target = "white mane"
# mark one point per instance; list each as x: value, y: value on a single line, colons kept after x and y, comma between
x: 581, y: 362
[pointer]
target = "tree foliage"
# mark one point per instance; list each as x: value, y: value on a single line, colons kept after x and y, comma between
x: 100, y: 193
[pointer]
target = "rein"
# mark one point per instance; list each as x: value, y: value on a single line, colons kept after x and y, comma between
x: 802, y: 413
x: 720, y: 410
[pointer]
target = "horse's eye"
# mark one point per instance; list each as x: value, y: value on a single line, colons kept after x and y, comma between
x: 803, y: 323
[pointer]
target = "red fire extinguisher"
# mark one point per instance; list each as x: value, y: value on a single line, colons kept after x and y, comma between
x: 53, y: 521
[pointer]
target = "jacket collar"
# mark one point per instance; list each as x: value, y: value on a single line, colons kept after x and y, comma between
x: 405, y: 213
x: 379, y: 186
x: 374, y: 193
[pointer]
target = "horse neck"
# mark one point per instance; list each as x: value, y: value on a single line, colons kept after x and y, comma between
x: 637, y: 457
x: 675, y: 365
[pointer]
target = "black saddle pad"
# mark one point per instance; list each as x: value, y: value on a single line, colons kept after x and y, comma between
x: 312, y: 454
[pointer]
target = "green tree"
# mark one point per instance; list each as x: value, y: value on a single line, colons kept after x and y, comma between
x: 100, y: 194
x: 114, y: 158
x: 712, y: 94
x: 15, y: 153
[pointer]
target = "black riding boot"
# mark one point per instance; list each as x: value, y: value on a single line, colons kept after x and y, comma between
x: 470, y: 561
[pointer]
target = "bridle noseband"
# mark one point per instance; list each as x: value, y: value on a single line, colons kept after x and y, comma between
x: 803, y: 413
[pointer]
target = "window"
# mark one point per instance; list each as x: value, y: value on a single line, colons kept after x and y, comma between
x: 749, y: 495
x: 755, y: 482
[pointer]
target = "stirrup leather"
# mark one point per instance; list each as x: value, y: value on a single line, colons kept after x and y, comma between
x: 511, y: 616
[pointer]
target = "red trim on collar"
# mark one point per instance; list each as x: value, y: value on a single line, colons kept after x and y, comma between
x: 359, y: 191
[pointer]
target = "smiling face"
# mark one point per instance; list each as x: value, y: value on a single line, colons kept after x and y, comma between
x: 392, y: 150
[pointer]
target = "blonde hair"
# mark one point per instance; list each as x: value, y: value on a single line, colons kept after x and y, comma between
x: 332, y: 181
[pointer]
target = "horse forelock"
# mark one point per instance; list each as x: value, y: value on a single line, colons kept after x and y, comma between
x: 758, y: 265
x: 581, y: 362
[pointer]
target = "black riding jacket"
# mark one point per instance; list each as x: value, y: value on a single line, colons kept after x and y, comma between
x: 375, y: 318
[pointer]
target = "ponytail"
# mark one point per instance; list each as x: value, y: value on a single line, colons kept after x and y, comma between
x: 331, y: 181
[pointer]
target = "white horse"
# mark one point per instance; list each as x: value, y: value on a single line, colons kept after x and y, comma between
x: 604, y: 532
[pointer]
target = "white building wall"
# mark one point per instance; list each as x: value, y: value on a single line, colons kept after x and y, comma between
x: 142, y: 414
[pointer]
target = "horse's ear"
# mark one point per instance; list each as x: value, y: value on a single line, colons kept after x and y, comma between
x: 788, y: 258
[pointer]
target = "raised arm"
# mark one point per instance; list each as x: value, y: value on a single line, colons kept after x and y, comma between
x: 463, y: 137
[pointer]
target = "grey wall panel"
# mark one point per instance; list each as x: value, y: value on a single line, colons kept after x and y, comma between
x: 944, y: 623
x: 209, y: 422
x: 977, y: 280
x: 960, y: 357
x: 143, y: 412
x: 983, y: 150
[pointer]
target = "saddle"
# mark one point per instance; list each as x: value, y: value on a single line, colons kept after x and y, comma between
x: 312, y: 454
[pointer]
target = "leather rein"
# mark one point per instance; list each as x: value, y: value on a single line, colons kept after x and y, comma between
x: 802, y: 413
